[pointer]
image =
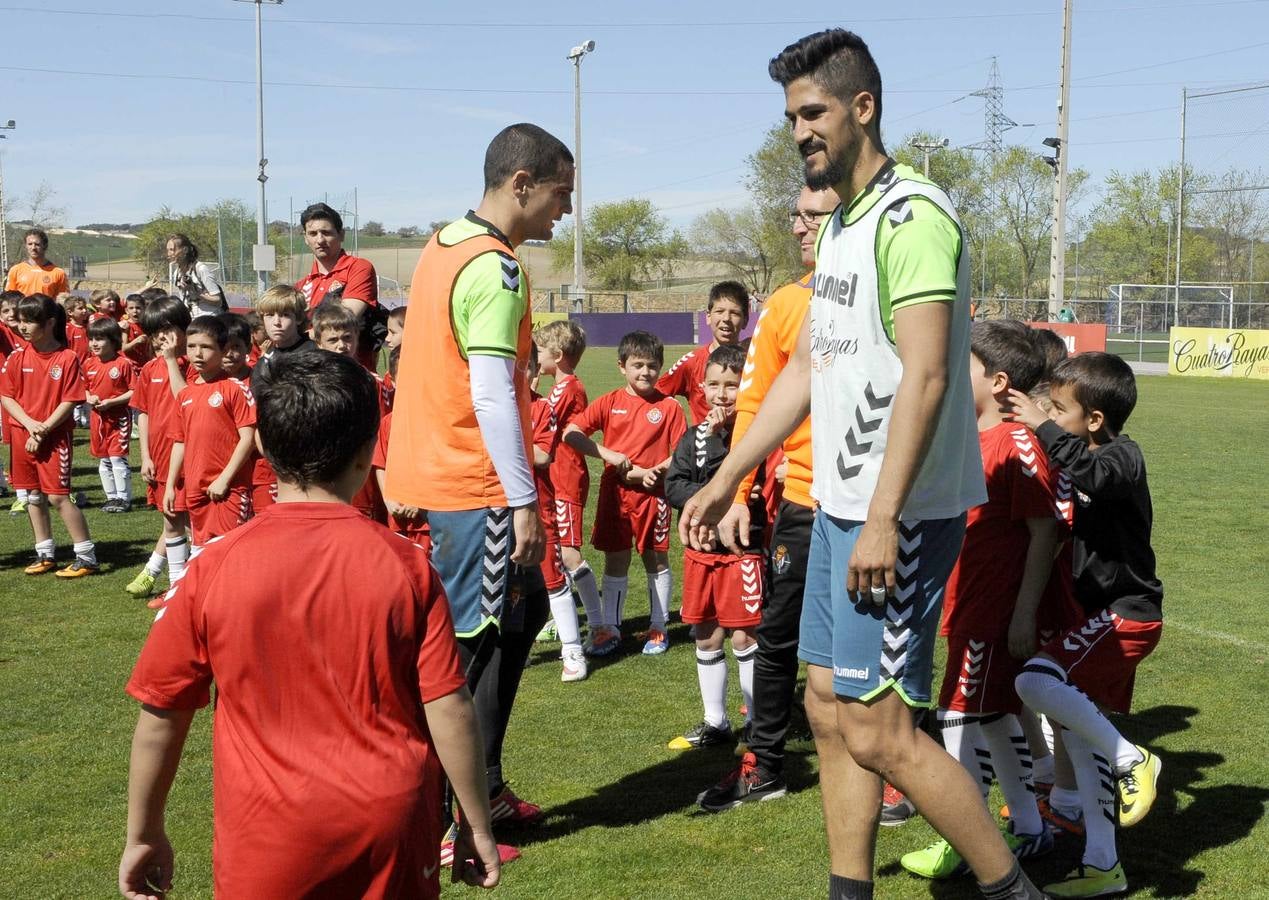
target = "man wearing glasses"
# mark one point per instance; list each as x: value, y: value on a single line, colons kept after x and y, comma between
x: 760, y: 775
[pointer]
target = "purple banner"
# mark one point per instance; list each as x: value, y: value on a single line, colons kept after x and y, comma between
x: 607, y: 329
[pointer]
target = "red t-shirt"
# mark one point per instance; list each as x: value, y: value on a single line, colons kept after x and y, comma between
x: 411, y: 530
x: 983, y: 588
x: 152, y: 395
x: 142, y: 353
x: 210, y: 415
x: 546, y: 437
x: 351, y: 278
x: 10, y: 340
x: 40, y: 383
x: 686, y: 378
x: 108, y: 380
x: 569, y: 476
x: 325, y: 778
x: 77, y: 340
x: 645, y: 429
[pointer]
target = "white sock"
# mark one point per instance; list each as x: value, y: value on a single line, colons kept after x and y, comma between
x: 1044, y: 688
x: 613, y: 600
x: 1011, y: 758
x: 1047, y: 727
x: 107, y: 476
x: 86, y: 551
x: 711, y: 672
x: 744, y: 663
x: 964, y: 739
x: 46, y: 549
x: 584, y: 583
x: 177, y: 556
x: 23, y: 494
x: 156, y: 565
x: 123, y: 478
x: 1066, y: 802
x: 565, y: 615
x: 1097, y: 799
x: 1043, y: 772
x: 659, y: 587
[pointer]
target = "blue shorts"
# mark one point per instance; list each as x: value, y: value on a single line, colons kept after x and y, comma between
x: 471, y: 551
x: 873, y: 648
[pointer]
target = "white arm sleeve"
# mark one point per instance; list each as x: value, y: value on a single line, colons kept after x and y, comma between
x: 493, y: 397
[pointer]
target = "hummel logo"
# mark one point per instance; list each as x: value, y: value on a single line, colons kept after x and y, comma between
x: 853, y: 674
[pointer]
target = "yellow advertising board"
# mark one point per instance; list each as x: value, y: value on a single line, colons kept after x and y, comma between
x: 1219, y: 352
x: 541, y: 318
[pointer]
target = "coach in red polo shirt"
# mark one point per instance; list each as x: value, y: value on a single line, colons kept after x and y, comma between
x: 335, y: 275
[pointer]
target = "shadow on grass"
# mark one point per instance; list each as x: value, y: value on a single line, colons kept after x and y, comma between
x: 112, y: 554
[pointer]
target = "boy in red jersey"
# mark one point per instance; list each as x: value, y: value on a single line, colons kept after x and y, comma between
x: 328, y: 770
x: 238, y: 347
x: 110, y: 378
x: 727, y: 315
x: 641, y: 427
x: 136, y: 346
x: 76, y: 324
x: 154, y: 398
x: 214, y: 437
x: 408, y: 521
x: 560, y: 347
x: 992, y: 610
x: 39, y: 388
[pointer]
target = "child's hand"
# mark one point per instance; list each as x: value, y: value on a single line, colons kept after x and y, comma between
x: 1023, y: 409
x: 716, y: 417
x: 1022, y: 639
x: 782, y: 470
x: 33, y: 444
x: 634, y: 475
x: 169, y: 500
x: 145, y: 869
x: 218, y: 489
x: 651, y: 477
x: 618, y: 461
x: 38, y: 429
x: 147, y: 470
x: 476, y: 859
x: 92, y: 400
x: 404, y: 513
x: 165, y: 344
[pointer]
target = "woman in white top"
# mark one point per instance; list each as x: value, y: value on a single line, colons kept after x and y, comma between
x: 192, y: 281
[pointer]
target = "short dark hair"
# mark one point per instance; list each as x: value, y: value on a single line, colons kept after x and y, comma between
x: 42, y: 309
x: 729, y: 356
x: 164, y: 312
x: 36, y: 232
x: 321, y: 211
x: 150, y: 294
x: 1101, y: 382
x: 320, y: 411
x: 1052, y: 345
x: 642, y: 344
x: 1009, y: 346
x: 331, y: 315
x: 528, y: 147
x: 730, y: 290
x: 212, y: 327
x: 106, y: 329
x: 11, y: 297
x: 397, y: 314
x: 237, y: 328
x: 837, y: 60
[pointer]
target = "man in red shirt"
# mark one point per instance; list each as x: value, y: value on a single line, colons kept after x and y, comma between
x: 328, y: 766
x: 335, y: 275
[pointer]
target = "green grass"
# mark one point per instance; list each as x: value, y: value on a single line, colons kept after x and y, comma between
x: 621, y: 821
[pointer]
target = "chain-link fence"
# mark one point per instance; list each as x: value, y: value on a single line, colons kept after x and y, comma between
x: 619, y: 301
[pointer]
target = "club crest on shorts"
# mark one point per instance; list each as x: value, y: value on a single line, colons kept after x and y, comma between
x: 55, y: 373
x: 655, y: 416
x: 780, y: 559
x: 215, y: 400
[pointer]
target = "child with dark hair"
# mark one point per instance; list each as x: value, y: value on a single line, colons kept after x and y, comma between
x: 727, y: 314
x: 641, y: 427
x: 136, y: 346
x: 722, y: 592
x: 110, y: 379
x: 1091, y: 667
x: 357, y: 717
x: 1052, y: 346
x: 39, y: 388
x: 238, y: 346
x: 259, y: 340
x: 214, y: 436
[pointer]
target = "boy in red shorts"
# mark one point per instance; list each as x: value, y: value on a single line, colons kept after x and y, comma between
x: 329, y: 769
x: 1091, y: 667
x: 727, y: 315
x: 39, y: 388
x: 110, y: 379
x: 641, y: 427
x: 154, y: 398
x: 136, y: 346
x: 721, y: 591
x: 214, y: 435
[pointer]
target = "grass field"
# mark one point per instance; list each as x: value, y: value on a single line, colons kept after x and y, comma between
x: 620, y: 819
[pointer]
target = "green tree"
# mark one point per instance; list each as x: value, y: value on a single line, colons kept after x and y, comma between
x: 754, y: 243
x: 625, y: 243
x: 776, y: 171
x: 373, y: 229
x: 1023, y: 206
x: 224, y: 234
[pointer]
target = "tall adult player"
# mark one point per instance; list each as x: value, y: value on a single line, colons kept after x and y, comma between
x: 882, y: 368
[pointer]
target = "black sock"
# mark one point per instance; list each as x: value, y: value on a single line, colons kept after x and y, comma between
x: 842, y: 888
x: 1014, y: 886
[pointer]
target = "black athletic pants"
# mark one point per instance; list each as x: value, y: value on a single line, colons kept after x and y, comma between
x: 775, y: 668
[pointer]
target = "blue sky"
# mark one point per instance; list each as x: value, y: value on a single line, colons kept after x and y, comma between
x: 399, y: 99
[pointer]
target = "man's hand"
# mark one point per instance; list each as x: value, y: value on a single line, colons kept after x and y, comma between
x: 145, y: 869
x: 147, y: 470
x: 1022, y: 639
x: 870, y: 573
x: 733, y: 529
x: 703, y: 512
x: 218, y: 489
x: 476, y: 860
x: 1023, y: 409
x: 530, y: 537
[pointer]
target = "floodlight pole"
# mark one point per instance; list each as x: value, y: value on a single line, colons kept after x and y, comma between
x: 576, y: 55
x: 1180, y: 214
x: 1057, y: 243
x: 262, y: 219
x: 926, y: 148
x: 4, y: 226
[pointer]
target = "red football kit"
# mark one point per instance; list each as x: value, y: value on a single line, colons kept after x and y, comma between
x: 264, y: 481
x: 686, y: 378
x: 152, y: 395
x: 369, y: 499
x: 77, y: 340
x: 40, y: 383
x: 646, y: 430
x: 570, y: 477
x: 983, y: 588
x: 352, y: 278
x: 142, y: 353
x: 110, y: 432
x: 210, y: 415
x: 325, y: 778
x: 418, y: 532
x: 723, y: 588
x: 546, y: 437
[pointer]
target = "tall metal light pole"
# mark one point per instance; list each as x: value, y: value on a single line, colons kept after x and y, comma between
x: 259, y: 255
x: 926, y: 148
x: 1057, y: 242
x: 4, y: 226
x: 576, y: 55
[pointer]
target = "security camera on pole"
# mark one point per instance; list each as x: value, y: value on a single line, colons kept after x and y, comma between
x: 576, y: 55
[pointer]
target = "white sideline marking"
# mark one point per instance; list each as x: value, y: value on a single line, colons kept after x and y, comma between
x: 1218, y: 636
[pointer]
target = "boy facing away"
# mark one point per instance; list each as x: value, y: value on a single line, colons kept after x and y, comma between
x: 727, y: 314
x: 721, y: 591
x: 1091, y: 667
x: 641, y: 427
x: 327, y: 772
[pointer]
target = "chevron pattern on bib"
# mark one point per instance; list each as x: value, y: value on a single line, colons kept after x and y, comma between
x: 900, y: 606
x: 510, y: 272
x: 701, y: 436
x: 493, y: 585
x: 850, y: 462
